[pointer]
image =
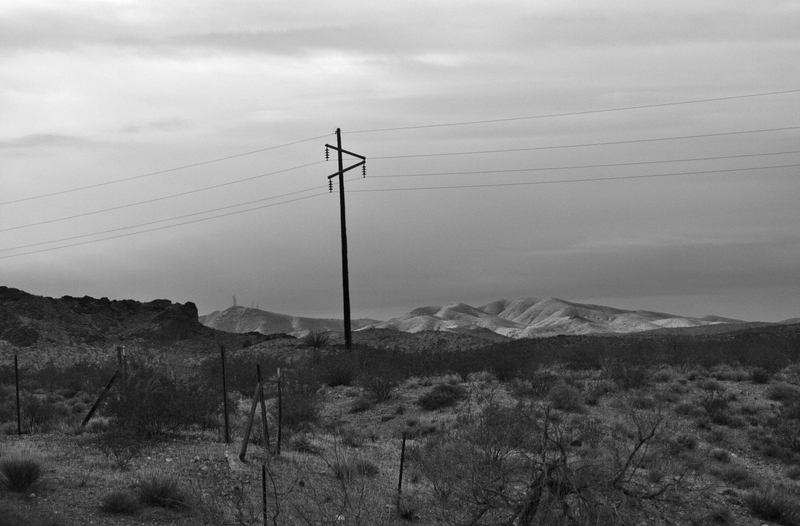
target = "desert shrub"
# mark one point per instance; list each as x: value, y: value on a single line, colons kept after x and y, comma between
x: 162, y: 490
x: 153, y: 403
x: 340, y: 369
x: 720, y: 455
x: 538, y: 383
x: 793, y: 472
x: 442, y: 395
x: 20, y: 472
x: 346, y: 467
x: 361, y: 404
x: 735, y: 474
x: 760, y: 376
x: 120, y: 445
x: 419, y: 431
x: 37, y: 413
x: 316, y: 339
x: 565, y: 398
x: 119, y: 502
x: 683, y: 442
x: 774, y: 505
x: 302, y: 443
x: 664, y: 374
x: 521, y: 466
x: 782, y: 392
x: 716, y: 406
x: 710, y: 385
x: 380, y: 383
x: 786, y: 426
x: 349, y: 437
x: 240, y: 371
x: 627, y: 376
x: 299, y: 410
x: 597, y: 389
x: 505, y: 367
x: 729, y: 373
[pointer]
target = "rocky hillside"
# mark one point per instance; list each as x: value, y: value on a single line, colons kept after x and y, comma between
x: 27, y: 320
x: 244, y: 319
x: 531, y: 317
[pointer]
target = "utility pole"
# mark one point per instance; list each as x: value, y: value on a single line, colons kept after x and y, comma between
x: 348, y: 336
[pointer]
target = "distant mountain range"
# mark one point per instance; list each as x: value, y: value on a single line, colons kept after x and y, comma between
x: 245, y: 319
x: 522, y: 318
x: 532, y: 317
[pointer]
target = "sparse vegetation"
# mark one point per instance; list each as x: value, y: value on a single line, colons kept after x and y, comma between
x: 574, y: 430
x: 162, y: 490
x: 20, y: 472
x: 120, y: 502
x: 774, y: 505
x: 441, y: 396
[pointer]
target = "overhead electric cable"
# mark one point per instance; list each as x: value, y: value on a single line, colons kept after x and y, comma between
x: 583, y: 166
x: 163, y: 227
x: 573, y: 113
x: 150, y: 174
x: 606, y: 143
x: 563, y: 181
x: 174, y: 218
x: 147, y: 201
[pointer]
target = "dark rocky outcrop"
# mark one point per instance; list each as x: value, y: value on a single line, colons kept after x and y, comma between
x: 26, y: 319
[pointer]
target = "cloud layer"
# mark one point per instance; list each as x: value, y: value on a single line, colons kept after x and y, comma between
x: 685, y: 212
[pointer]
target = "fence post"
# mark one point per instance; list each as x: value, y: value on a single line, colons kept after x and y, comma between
x: 402, y: 462
x: 280, y: 414
x: 264, y: 491
x: 225, y: 397
x: 263, y: 408
x: 100, y: 399
x: 16, y: 382
x: 250, y: 418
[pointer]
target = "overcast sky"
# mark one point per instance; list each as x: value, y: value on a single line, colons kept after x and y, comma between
x: 125, y: 123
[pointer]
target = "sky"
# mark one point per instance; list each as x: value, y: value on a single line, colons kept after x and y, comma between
x: 641, y: 155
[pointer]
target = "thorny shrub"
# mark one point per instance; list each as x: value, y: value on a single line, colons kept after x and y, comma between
x: 153, y: 402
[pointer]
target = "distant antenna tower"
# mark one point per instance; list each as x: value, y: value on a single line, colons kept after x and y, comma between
x: 234, y: 301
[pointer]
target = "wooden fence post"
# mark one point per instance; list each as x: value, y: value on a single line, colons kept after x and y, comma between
x: 250, y: 417
x: 16, y: 381
x: 100, y: 399
x: 263, y: 408
x: 225, y: 397
x: 280, y: 414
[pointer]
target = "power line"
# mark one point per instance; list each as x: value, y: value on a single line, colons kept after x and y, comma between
x: 573, y: 113
x: 584, y: 180
x: 606, y: 143
x: 175, y: 218
x: 158, y: 228
x: 609, y: 165
x: 95, y: 212
x: 201, y: 163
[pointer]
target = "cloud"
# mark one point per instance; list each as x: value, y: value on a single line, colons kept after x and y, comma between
x: 41, y: 140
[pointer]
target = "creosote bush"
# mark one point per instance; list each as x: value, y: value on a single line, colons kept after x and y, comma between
x: 442, y: 395
x: 154, y: 402
x: 565, y: 398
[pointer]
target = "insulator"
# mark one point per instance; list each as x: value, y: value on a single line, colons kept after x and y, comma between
x: 364, y: 170
x: 327, y: 155
x: 330, y: 185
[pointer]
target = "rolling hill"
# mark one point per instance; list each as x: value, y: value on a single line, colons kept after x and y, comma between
x: 534, y: 317
x: 244, y: 319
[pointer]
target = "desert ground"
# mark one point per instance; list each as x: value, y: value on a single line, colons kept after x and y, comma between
x: 550, y: 431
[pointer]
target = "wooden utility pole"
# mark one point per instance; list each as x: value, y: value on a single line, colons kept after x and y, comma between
x: 348, y: 336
